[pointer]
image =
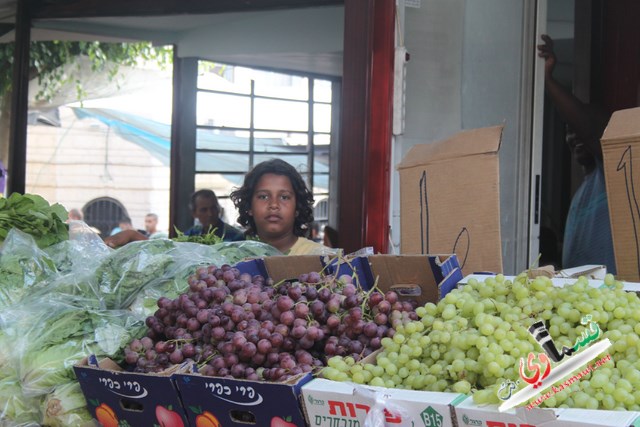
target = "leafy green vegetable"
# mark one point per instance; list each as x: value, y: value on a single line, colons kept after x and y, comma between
x: 65, y: 407
x: 43, y: 369
x: 204, y: 239
x: 15, y: 408
x: 235, y: 252
x: 22, y: 267
x: 33, y: 215
x: 124, y: 273
x: 55, y: 333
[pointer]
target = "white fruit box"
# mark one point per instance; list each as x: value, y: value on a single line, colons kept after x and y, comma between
x: 591, y: 271
x: 331, y: 403
x: 468, y: 413
x: 558, y: 281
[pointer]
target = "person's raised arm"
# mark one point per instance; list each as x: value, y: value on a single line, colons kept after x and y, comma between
x: 585, y: 120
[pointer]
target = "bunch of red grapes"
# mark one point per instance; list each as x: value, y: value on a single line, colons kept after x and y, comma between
x: 232, y: 324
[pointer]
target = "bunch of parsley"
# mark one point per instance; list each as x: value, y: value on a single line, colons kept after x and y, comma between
x: 209, y: 238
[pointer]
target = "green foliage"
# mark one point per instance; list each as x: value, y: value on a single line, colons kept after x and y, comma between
x: 33, y: 215
x: 209, y: 238
x: 48, y: 58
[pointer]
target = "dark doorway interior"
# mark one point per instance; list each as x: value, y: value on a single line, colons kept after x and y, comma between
x: 601, y: 65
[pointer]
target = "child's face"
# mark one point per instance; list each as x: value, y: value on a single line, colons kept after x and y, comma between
x: 273, y: 206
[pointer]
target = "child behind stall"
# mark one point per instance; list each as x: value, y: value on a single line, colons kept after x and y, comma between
x: 276, y: 207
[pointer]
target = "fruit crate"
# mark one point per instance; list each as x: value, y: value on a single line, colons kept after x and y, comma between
x: 214, y: 401
x: 117, y: 398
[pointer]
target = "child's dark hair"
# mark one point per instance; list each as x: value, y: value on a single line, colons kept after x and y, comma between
x: 243, y: 195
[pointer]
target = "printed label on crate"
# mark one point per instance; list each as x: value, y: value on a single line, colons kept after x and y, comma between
x: 131, y: 389
x: 238, y: 394
x: 351, y: 413
x: 431, y: 418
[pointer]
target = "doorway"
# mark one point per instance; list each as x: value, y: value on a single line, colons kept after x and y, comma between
x: 597, y: 44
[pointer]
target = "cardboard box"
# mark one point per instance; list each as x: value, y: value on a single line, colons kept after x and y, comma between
x: 242, y: 403
x: 330, y: 403
x: 425, y: 278
x: 450, y: 199
x: 590, y: 271
x: 468, y: 413
x: 620, y: 142
x: 134, y: 398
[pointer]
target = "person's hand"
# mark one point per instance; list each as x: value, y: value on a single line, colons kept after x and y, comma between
x: 546, y: 51
x: 124, y: 237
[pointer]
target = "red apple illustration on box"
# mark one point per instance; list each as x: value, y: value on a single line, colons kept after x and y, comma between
x: 280, y: 422
x: 168, y: 418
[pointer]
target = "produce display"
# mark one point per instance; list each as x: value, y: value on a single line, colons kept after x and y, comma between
x: 65, y: 295
x: 472, y: 342
x: 152, y: 305
x: 236, y: 325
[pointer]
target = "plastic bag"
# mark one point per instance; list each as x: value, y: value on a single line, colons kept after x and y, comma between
x: 65, y: 407
x: 16, y: 410
x: 234, y: 252
x: 82, y: 253
x: 77, y: 261
x: 127, y: 270
x: 383, y: 412
x: 54, y: 333
x: 22, y: 266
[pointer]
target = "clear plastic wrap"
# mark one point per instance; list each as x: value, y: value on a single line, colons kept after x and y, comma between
x: 17, y: 410
x: 74, y: 300
x: 127, y: 270
x: 22, y: 266
x: 234, y: 252
x: 382, y: 411
x: 66, y: 407
x: 54, y: 333
x: 83, y: 252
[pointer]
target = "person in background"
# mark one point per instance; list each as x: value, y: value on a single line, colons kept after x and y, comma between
x: 314, y: 231
x: 587, y: 236
x: 276, y: 207
x: 151, y: 227
x: 75, y: 215
x: 206, y: 209
x: 123, y: 225
x: 330, y: 238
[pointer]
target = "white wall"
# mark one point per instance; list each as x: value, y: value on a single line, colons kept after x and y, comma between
x: 464, y: 73
x: 84, y: 160
x: 491, y: 81
x: 433, y: 36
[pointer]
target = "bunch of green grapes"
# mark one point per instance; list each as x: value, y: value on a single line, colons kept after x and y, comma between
x: 472, y: 341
